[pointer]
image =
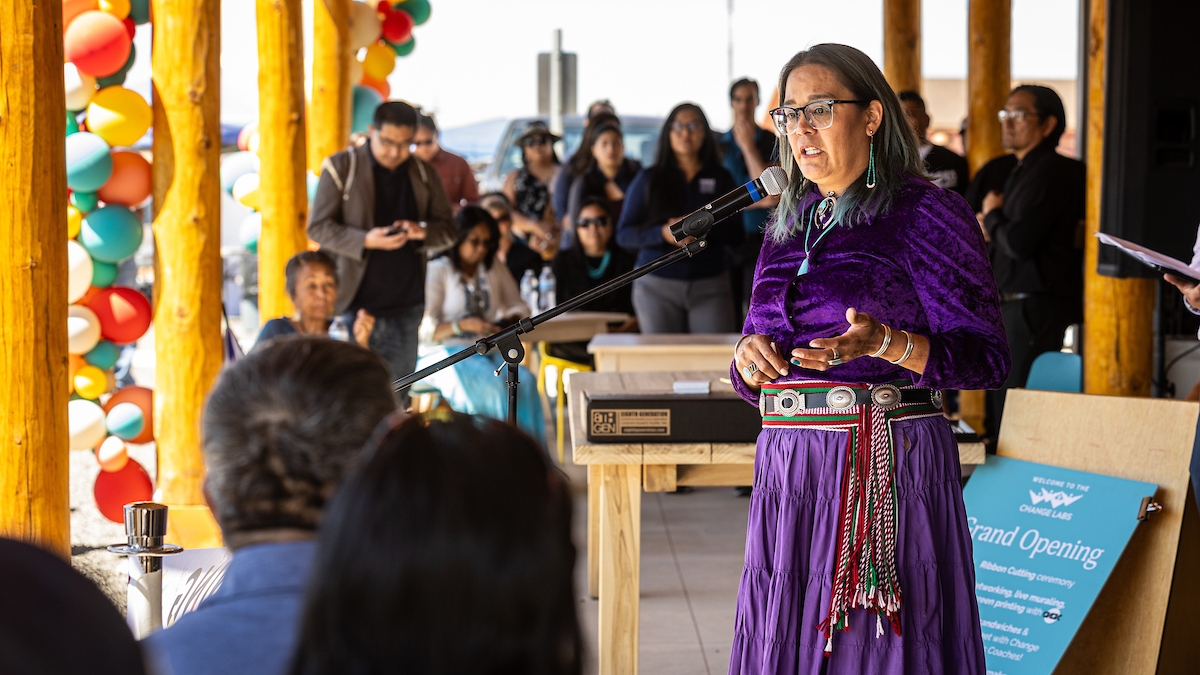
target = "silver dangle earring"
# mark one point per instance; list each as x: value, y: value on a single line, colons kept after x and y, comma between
x: 871, y: 162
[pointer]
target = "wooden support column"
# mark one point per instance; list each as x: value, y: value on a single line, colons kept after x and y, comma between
x: 34, y: 503
x: 989, y: 30
x: 187, y: 232
x: 902, y: 44
x: 281, y: 149
x: 1118, y: 327
x: 329, y: 110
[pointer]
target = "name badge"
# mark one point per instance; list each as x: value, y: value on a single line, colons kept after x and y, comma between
x: 708, y: 186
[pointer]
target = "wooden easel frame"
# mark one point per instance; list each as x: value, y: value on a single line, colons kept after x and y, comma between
x: 1147, y: 617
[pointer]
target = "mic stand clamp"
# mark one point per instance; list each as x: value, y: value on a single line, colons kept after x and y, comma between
x: 695, y: 225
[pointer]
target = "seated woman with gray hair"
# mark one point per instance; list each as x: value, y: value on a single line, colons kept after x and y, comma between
x: 281, y: 429
x: 312, y: 284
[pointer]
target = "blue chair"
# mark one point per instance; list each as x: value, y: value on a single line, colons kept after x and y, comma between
x: 1056, y: 371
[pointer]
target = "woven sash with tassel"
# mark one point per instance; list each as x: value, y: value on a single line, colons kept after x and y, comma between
x: 864, y: 575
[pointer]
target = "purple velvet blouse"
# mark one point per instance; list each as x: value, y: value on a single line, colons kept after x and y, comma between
x: 921, y: 267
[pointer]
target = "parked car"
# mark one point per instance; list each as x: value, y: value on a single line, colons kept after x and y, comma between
x: 641, y: 133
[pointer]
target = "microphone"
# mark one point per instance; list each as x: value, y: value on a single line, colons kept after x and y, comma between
x: 696, y: 224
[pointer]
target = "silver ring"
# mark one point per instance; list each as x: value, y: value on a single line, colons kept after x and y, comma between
x: 836, y: 362
x: 835, y: 356
x: 750, y: 370
x: 839, y: 398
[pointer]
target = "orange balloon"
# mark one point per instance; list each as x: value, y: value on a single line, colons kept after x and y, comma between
x: 380, y: 86
x: 130, y: 181
x: 144, y: 399
x: 74, y: 363
x: 73, y: 8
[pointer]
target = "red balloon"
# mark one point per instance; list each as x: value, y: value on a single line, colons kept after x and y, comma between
x: 143, y: 398
x: 97, y: 43
x: 130, y: 183
x: 397, y: 28
x: 124, y: 313
x: 130, y: 26
x: 115, y: 489
x: 384, y: 7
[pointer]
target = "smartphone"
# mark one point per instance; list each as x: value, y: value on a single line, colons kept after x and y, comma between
x: 396, y: 229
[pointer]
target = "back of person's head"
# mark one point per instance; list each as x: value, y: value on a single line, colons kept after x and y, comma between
x: 495, y: 201
x: 448, y: 551
x: 910, y: 96
x: 600, y: 107
x: 1047, y: 102
x: 467, y: 219
x: 396, y: 113
x: 55, y: 620
x: 281, y: 429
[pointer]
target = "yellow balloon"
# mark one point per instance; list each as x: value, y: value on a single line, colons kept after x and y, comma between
x: 74, y: 222
x: 118, y: 8
x: 119, y: 116
x: 379, y: 61
x: 245, y: 191
x: 90, y: 382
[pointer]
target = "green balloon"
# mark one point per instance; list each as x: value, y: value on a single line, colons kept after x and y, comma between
x: 72, y: 125
x: 103, y: 274
x: 252, y: 247
x: 84, y: 201
x: 364, y: 101
x: 104, y: 355
x: 406, y: 48
x: 418, y: 9
x: 139, y: 11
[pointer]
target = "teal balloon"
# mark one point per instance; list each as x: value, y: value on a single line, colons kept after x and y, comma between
x: 103, y: 274
x: 86, y: 202
x: 139, y: 11
x: 104, y: 355
x: 234, y: 166
x: 405, y: 48
x: 125, y: 421
x: 419, y: 10
x: 72, y: 125
x: 118, y: 77
x: 365, y: 101
x: 111, y: 234
x: 89, y: 162
x: 311, y: 182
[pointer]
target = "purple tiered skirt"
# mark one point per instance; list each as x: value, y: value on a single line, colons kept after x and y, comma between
x: 785, y: 587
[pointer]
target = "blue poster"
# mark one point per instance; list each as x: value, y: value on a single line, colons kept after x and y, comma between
x: 1045, y: 541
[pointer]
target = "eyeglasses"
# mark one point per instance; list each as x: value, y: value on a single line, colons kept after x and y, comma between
x: 536, y: 141
x: 680, y: 127
x: 390, y: 144
x: 602, y: 221
x: 476, y: 241
x: 1014, y: 116
x: 818, y: 115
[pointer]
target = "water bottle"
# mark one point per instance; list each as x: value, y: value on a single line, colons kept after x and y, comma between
x: 338, y: 330
x: 547, y: 289
x: 529, y: 290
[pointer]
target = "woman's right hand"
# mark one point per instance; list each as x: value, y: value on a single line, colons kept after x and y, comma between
x: 768, y: 363
x: 474, y: 324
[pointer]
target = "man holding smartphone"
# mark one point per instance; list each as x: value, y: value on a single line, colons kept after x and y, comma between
x: 380, y: 211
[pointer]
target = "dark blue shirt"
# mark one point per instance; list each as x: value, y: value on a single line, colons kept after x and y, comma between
x: 753, y: 220
x: 636, y: 233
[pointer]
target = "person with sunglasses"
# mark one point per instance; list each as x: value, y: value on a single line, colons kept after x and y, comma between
x: 469, y: 296
x: 873, y: 292
x: 593, y: 259
x: 457, y: 177
x: 529, y: 189
x: 692, y: 295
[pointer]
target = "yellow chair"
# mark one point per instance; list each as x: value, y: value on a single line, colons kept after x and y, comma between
x: 545, y: 359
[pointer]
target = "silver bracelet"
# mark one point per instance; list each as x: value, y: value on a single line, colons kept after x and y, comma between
x: 907, y: 350
x: 887, y: 341
x: 739, y: 344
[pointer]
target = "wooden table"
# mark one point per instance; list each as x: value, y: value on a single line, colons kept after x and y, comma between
x: 574, y: 327
x: 622, y: 352
x: 617, y: 475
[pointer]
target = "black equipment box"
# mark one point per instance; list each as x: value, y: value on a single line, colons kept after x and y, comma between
x: 672, y: 418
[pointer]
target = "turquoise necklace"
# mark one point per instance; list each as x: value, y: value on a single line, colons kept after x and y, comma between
x: 821, y: 217
x: 600, y: 269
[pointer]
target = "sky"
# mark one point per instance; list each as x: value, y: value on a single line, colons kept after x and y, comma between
x: 475, y: 60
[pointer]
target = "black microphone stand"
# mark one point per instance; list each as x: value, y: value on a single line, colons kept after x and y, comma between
x: 508, y: 340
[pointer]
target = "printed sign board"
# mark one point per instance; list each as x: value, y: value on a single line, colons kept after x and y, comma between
x: 190, y: 577
x: 1045, y: 541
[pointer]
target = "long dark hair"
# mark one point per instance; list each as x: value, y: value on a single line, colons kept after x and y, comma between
x: 664, y: 188
x: 467, y: 219
x: 448, y: 551
x: 583, y: 160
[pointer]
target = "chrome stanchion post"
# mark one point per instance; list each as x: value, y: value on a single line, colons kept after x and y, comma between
x: 145, y: 528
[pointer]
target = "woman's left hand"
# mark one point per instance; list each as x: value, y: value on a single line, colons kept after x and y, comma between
x: 364, y: 324
x: 863, y: 338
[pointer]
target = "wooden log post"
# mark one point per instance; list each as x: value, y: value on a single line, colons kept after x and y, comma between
x: 283, y: 189
x: 34, y: 504
x: 187, y: 231
x: 988, y: 83
x: 1118, y: 326
x: 329, y: 109
x: 902, y: 44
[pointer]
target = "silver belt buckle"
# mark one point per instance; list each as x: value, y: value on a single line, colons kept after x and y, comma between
x: 839, y: 398
x: 788, y: 402
x: 936, y: 398
x: 885, y: 396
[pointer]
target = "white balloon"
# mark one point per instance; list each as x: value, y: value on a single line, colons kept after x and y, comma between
x: 83, y: 330
x: 365, y: 26
x: 79, y: 271
x: 250, y: 229
x: 245, y: 190
x: 112, y: 455
x: 85, y: 420
x: 81, y: 87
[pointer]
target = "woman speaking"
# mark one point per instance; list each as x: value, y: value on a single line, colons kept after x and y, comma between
x: 872, y: 293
